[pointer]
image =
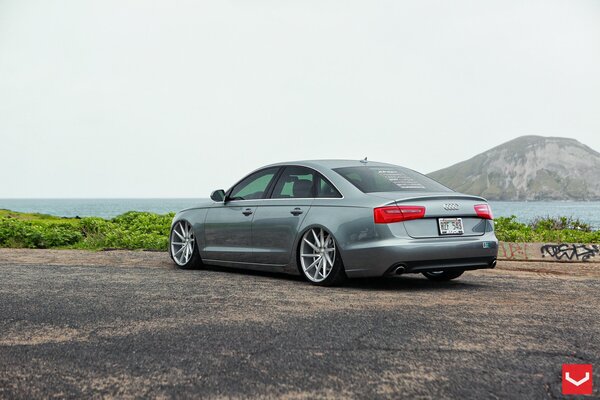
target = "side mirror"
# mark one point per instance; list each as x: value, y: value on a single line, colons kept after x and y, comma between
x: 218, y: 195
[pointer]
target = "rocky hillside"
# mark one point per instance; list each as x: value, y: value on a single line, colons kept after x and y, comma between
x: 529, y: 168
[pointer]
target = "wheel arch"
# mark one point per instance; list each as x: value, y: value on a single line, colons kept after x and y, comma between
x: 195, y: 217
x: 298, y: 243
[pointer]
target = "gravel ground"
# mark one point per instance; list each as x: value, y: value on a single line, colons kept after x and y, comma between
x: 77, y: 324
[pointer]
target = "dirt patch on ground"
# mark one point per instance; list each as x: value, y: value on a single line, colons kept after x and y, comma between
x: 37, y: 335
x: 580, y: 270
x: 152, y: 259
x: 115, y: 258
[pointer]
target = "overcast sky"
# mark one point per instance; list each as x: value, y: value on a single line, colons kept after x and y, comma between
x: 176, y: 98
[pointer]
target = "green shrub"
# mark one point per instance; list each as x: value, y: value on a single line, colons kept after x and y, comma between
x: 15, y: 233
x: 144, y: 222
x: 559, y: 223
x: 140, y: 230
x: 508, y: 229
x: 549, y: 229
x: 132, y: 230
x: 94, y: 226
x: 60, y: 235
x: 30, y: 234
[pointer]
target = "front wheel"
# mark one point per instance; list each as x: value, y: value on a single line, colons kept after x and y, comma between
x: 442, y: 276
x: 182, y: 246
x: 320, y: 260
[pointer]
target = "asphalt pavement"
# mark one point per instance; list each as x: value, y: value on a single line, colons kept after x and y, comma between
x: 150, y: 330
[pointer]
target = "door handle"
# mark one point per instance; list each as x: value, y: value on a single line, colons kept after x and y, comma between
x: 247, y: 211
x: 296, y: 211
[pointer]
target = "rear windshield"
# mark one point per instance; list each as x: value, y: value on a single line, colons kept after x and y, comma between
x: 389, y: 179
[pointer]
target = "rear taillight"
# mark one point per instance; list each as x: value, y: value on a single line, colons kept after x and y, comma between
x: 390, y: 214
x: 484, y: 211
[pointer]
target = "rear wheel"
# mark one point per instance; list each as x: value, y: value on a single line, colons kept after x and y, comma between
x: 441, y: 276
x: 182, y: 246
x: 320, y: 261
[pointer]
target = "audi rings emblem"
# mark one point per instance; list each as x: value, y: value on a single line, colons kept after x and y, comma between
x: 450, y: 206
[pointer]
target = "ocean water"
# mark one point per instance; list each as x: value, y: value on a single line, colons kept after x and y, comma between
x: 586, y: 211
x: 107, y: 208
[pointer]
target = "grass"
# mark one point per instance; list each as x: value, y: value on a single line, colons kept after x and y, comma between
x: 147, y: 231
x: 34, y: 217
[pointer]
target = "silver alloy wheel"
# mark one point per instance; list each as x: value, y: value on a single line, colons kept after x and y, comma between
x: 182, y: 242
x: 317, y: 254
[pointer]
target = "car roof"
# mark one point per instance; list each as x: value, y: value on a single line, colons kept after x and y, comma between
x: 332, y: 163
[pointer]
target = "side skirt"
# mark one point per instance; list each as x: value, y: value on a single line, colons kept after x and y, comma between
x: 251, y: 266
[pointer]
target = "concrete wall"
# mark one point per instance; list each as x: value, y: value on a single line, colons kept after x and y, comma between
x: 559, y: 252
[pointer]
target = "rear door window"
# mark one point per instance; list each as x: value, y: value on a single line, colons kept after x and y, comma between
x: 295, y: 182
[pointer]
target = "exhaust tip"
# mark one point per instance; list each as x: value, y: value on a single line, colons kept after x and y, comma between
x: 399, y: 270
x: 493, y: 264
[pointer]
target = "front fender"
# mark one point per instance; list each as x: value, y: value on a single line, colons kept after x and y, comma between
x: 196, y: 217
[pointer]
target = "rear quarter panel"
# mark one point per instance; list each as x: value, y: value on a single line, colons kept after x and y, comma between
x: 350, y: 225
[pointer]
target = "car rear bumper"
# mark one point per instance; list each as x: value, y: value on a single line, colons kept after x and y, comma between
x: 383, y: 257
x: 464, y: 264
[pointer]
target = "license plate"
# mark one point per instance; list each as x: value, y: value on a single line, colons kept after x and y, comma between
x: 451, y: 226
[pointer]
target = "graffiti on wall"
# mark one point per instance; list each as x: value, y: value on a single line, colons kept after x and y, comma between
x: 514, y: 251
x: 564, y: 252
x: 579, y: 252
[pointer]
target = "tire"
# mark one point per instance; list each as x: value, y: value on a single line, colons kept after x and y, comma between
x: 443, y: 276
x: 319, y: 260
x: 183, y: 248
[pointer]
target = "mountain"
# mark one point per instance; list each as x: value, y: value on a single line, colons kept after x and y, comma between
x: 528, y: 168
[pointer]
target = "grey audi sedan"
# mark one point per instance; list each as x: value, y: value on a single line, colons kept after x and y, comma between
x: 331, y: 219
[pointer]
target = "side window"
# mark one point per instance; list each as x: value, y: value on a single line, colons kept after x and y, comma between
x: 325, y: 188
x: 295, y: 182
x: 354, y: 178
x: 253, y: 186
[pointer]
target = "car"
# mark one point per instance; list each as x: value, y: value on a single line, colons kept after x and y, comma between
x: 329, y: 220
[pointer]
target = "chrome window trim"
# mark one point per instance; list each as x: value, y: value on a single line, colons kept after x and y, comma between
x: 291, y: 198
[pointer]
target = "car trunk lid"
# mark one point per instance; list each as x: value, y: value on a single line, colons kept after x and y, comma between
x: 445, y: 206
